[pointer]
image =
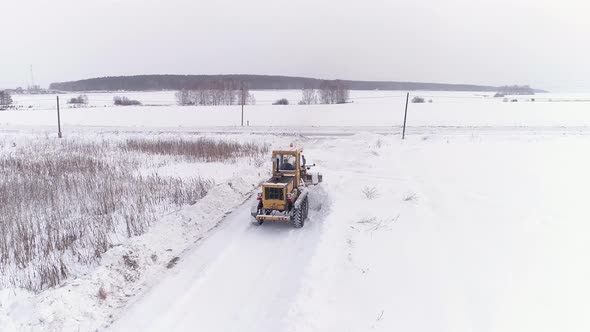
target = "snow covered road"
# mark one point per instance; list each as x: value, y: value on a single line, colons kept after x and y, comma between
x: 240, y: 278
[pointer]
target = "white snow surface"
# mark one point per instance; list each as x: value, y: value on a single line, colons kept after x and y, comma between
x: 366, y: 109
x: 479, y: 234
x: 475, y: 222
x: 466, y: 233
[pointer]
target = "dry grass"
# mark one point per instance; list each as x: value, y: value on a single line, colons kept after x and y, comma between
x: 202, y: 149
x: 410, y: 197
x: 66, y: 203
x: 102, y: 293
x: 373, y: 224
x: 370, y: 192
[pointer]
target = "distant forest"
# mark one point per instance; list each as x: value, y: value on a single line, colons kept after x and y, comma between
x: 253, y: 82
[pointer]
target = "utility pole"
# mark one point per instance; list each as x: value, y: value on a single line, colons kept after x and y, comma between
x: 58, y: 120
x: 32, y: 78
x: 405, y: 116
x: 242, y: 104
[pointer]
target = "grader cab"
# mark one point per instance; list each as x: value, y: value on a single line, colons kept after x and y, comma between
x: 284, y: 197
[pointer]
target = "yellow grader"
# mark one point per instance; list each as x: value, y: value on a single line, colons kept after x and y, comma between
x: 284, y: 197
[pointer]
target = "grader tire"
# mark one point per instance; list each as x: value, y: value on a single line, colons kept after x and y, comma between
x: 297, y: 217
x: 300, y: 214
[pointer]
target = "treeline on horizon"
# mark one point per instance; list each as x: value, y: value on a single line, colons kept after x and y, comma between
x: 253, y: 82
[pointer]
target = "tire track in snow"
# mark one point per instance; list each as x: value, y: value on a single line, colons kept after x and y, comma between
x: 241, y: 277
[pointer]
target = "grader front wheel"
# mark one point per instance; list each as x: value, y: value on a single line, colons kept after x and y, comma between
x: 298, y: 218
x: 300, y: 214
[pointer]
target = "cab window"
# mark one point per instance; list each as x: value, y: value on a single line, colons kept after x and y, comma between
x: 287, y: 162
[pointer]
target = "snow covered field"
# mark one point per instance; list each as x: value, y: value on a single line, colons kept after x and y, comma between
x: 477, y: 221
x: 369, y: 109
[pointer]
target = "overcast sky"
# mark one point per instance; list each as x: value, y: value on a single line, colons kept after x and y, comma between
x: 542, y: 43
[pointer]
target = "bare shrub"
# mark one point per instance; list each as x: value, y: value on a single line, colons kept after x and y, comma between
x: 124, y: 101
x: 81, y: 100
x: 370, y: 192
x: 282, y: 101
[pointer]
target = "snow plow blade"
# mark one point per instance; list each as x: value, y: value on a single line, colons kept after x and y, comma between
x: 272, y: 218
